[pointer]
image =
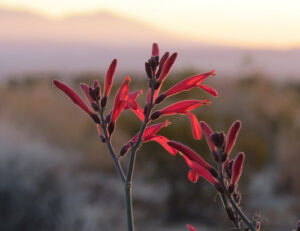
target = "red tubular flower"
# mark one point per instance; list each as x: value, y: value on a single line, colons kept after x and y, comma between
x: 232, y: 135
x: 190, y: 154
x: 208, y: 132
x: 167, y: 67
x: 75, y: 98
x: 109, y: 77
x: 184, y: 107
x: 155, y: 50
x: 120, y: 99
x: 132, y: 105
x: 150, y: 135
x: 187, y: 84
x: 237, y: 168
x: 193, y: 176
x: 191, y: 228
x: 200, y: 170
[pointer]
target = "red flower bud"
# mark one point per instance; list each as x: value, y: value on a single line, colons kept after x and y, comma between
x: 232, y: 135
x: 155, y: 50
x: 237, y: 168
x: 109, y: 77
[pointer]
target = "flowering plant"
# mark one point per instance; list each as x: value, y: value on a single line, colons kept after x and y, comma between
x: 226, y: 173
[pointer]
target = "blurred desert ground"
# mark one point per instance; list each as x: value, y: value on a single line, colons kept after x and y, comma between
x: 57, y: 175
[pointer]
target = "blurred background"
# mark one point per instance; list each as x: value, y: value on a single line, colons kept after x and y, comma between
x: 55, y: 174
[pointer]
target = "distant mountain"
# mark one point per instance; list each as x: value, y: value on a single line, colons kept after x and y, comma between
x: 31, y: 43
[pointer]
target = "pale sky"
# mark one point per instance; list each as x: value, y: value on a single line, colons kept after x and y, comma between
x: 252, y: 23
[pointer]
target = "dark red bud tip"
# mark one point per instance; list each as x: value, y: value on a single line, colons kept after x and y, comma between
x: 102, y: 139
x: 95, y: 106
x: 95, y: 118
x: 155, y: 115
x: 155, y: 50
x: 103, y: 102
x: 124, y: 150
x: 111, y: 127
x: 230, y: 214
x: 157, y: 85
x: 231, y: 188
x: 219, y: 187
x: 160, y: 98
x: 214, y: 173
x: 218, y: 139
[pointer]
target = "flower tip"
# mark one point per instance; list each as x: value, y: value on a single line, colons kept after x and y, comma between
x: 155, y: 50
x: 190, y: 227
x: 213, y: 72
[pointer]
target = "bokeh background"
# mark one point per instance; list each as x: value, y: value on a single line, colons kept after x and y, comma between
x: 55, y: 174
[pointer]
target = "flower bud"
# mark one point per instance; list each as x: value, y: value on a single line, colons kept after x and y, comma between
x: 103, y: 102
x: 102, y: 138
x: 146, y: 109
x: 95, y: 106
x: 124, y: 150
x: 148, y: 70
x: 218, y: 139
x: 160, y: 98
x: 92, y: 94
x: 157, y: 85
x: 111, y: 128
x: 219, y: 187
x: 155, y: 115
x: 95, y: 118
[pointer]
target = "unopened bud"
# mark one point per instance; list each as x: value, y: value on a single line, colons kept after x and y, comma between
x: 215, y: 155
x: 103, y: 102
x: 214, y: 173
x: 95, y: 106
x: 107, y: 118
x: 148, y: 70
x: 102, y: 139
x: 111, y: 128
x: 97, y: 92
x: 218, y: 139
x: 146, y: 109
x: 160, y: 98
x: 92, y: 94
x: 223, y: 157
x: 124, y: 150
x: 155, y: 115
x: 219, y: 187
x: 95, y: 118
x: 157, y: 85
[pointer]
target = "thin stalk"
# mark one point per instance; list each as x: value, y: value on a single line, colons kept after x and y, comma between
x: 226, y: 195
x: 133, y: 151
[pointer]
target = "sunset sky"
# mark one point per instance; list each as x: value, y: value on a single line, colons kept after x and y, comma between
x: 254, y: 24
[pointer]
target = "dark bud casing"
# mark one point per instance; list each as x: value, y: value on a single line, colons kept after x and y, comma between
x: 103, y: 102
x: 111, y: 128
x: 148, y: 70
x: 160, y: 98
x: 107, y: 118
x: 219, y: 187
x: 95, y: 118
x: 231, y: 188
x: 214, y: 173
x: 92, y: 94
x: 97, y: 92
x: 157, y: 85
x: 124, y: 150
x: 95, y: 106
x: 102, y: 139
x: 155, y: 115
x: 218, y: 139
x: 223, y: 157
x: 230, y: 214
x: 215, y: 155
x: 146, y: 109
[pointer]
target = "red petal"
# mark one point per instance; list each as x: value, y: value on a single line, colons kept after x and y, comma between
x: 85, y: 89
x: 195, y: 126
x: 139, y: 112
x: 200, y: 170
x: 155, y: 50
x: 167, y: 67
x: 120, y: 99
x: 207, y: 132
x: 190, y: 153
x: 163, y: 59
x: 98, y: 129
x: 208, y: 89
x: 163, y: 141
x: 237, y: 168
x: 109, y: 77
x: 131, y: 100
x: 191, y: 228
x: 232, y: 135
x: 188, y: 83
x: 193, y: 176
x: 183, y: 106
x: 73, y: 96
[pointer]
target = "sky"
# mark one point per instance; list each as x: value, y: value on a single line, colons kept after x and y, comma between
x: 255, y: 24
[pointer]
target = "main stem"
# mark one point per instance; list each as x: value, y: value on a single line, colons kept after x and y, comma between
x: 133, y: 151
